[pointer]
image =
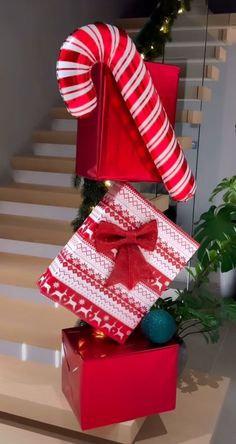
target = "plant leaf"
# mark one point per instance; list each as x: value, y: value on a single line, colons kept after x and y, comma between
x: 216, y: 232
x: 228, y: 184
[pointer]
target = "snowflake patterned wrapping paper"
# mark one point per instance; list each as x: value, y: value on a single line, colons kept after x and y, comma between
x: 77, y: 278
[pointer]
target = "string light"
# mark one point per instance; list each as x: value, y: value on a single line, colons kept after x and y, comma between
x: 181, y: 10
x: 108, y: 183
x: 165, y: 26
x: 99, y: 334
x: 142, y: 55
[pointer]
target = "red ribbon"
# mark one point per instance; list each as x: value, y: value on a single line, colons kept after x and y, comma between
x: 130, y: 265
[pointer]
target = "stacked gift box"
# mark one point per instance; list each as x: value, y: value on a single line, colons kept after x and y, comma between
x: 126, y: 253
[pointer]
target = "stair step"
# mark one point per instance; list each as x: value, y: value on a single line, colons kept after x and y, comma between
x: 190, y: 116
x: 33, y: 391
x: 196, y: 35
x: 26, y: 248
x: 43, y: 149
x: 23, y: 293
x: 35, y: 324
x: 220, y: 54
x: 21, y: 270
x: 44, y: 163
x: 13, y: 432
x: 228, y: 35
x: 53, y: 149
x: 195, y: 53
x: 60, y: 112
x: 184, y: 22
x: 191, y: 61
x: 211, y: 73
x: 188, y: 92
x: 63, y: 165
x: 17, y: 256
x: 160, y: 201
x: 200, y: 44
x: 185, y: 142
x: 64, y: 124
x: 43, y: 178
x: 46, y: 211
x: 193, y: 69
x: 40, y: 194
x: 214, y: 20
x: 33, y: 229
x: 49, y: 136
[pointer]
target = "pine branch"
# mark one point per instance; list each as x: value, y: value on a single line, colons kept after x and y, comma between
x: 196, y: 332
x: 191, y: 325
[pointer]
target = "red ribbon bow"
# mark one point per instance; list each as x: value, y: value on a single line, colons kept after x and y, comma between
x: 130, y: 264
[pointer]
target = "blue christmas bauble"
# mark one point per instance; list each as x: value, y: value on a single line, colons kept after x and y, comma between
x: 159, y: 326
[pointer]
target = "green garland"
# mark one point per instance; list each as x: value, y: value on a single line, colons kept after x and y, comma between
x: 92, y: 192
x: 151, y: 40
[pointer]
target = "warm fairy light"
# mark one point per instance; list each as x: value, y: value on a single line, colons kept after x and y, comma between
x: 98, y: 334
x: 152, y: 47
x: 108, y: 183
x: 81, y: 343
x: 181, y: 10
x: 142, y: 55
x: 164, y: 29
x: 165, y: 26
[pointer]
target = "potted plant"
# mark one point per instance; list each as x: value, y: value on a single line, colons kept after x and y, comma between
x: 198, y: 310
x: 226, y: 275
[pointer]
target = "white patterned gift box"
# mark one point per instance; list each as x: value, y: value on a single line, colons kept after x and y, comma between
x: 76, y: 279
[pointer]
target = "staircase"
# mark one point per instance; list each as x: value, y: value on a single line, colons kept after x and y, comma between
x: 35, y: 214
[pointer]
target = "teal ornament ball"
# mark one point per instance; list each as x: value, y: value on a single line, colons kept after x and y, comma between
x: 158, y: 326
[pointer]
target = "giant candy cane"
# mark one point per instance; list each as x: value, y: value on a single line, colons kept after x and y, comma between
x: 104, y: 43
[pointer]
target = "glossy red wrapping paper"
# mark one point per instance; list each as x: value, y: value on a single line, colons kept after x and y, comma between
x: 108, y: 141
x: 107, y: 383
x: 111, y: 46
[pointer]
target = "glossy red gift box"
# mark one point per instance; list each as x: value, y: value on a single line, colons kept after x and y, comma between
x: 107, y: 383
x: 108, y: 141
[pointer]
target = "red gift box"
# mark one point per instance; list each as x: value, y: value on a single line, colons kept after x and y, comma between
x: 77, y: 278
x: 106, y: 383
x: 108, y: 140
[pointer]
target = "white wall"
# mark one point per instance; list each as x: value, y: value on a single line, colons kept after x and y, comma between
x: 31, y: 33
x: 217, y: 155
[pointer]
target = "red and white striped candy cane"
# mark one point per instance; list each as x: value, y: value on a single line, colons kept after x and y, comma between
x: 104, y: 43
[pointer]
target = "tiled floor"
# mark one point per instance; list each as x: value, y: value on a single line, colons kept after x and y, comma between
x: 218, y: 359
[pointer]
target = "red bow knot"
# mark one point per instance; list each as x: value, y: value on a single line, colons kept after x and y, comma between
x: 130, y: 264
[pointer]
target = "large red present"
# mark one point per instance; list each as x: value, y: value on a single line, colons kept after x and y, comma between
x: 113, y: 285
x: 108, y: 141
x: 106, y: 383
